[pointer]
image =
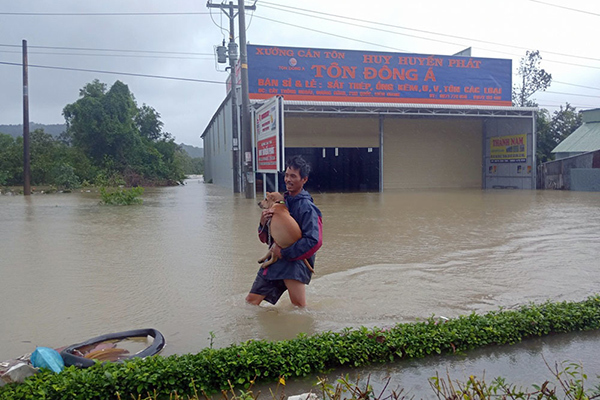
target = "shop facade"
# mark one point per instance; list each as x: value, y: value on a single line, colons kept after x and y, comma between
x: 380, y: 131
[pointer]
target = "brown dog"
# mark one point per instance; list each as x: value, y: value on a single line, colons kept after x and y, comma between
x: 283, y: 228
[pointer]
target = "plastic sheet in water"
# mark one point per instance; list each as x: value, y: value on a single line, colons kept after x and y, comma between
x: 44, y: 357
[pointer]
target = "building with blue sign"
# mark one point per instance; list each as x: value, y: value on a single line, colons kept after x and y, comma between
x: 374, y: 121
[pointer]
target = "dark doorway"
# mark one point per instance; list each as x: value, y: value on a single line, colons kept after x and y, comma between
x: 341, y: 169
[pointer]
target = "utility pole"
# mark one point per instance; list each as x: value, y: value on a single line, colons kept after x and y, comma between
x: 233, y: 57
x: 26, y: 158
x: 246, y: 124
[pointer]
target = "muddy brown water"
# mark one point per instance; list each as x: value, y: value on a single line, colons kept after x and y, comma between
x: 183, y: 262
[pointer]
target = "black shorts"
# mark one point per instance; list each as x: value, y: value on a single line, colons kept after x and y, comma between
x: 272, y: 290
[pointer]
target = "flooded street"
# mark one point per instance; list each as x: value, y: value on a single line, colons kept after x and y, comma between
x: 183, y: 262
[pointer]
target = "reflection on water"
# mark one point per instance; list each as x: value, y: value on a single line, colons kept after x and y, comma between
x: 184, y: 260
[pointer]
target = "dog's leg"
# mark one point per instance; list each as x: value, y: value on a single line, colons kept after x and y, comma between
x: 270, y: 261
x: 308, y: 265
x: 265, y: 258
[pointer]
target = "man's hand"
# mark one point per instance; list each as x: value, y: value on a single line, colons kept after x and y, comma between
x: 266, y: 217
x: 276, y: 250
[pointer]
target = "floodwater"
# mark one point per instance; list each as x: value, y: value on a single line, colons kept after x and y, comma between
x: 183, y: 262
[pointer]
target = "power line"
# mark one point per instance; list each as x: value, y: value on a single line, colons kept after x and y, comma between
x: 101, y: 14
x: 572, y: 84
x: 217, y: 82
x: 114, y: 73
x: 283, y: 8
x: 360, y: 26
x: 573, y: 94
x: 330, y: 34
x: 557, y: 105
x: 113, y: 50
x: 566, y: 8
x: 394, y: 48
x: 301, y: 27
x: 109, y: 55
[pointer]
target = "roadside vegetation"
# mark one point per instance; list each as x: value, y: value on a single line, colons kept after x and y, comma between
x: 109, y: 141
x: 239, y: 366
x: 121, y: 196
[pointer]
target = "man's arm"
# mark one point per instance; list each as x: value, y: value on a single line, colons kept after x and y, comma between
x: 312, y: 236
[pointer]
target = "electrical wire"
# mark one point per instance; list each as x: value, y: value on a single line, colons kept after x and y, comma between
x: 573, y: 94
x: 190, y: 79
x: 572, y: 84
x: 279, y: 8
x: 329, y: 33
x: 113, y: 50
x: 113, y: 73
x: 394, y: 48
x: 218, y: 25
x: 100, y: 14
x: 109, y: 55
x: 365, y: 27
x: 296, y: 9
x: 565, y: 8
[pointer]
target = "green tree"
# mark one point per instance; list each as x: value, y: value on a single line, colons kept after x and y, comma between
x: 11, y: 160
x: 43, y: 157
x: 553, y: 130
x: 533, y: 78
x: 85, y: 120
x: 52, y: 162
x: 124, y: 141
x: 564, y: 122
x: 149, y: 124
x: 544, y: 143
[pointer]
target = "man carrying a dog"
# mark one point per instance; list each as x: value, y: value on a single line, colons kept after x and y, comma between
x: 290, y: 272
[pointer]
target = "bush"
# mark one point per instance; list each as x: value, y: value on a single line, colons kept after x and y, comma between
x: 243, y: 364
x: 65, y: 177
x: 121, y: 196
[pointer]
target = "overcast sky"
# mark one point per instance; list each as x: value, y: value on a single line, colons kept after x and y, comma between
x: 178, y: 42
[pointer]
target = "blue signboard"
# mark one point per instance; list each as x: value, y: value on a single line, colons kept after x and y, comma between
x: 299, y: 73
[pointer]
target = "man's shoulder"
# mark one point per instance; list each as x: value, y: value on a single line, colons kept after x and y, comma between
x: 307, y: 203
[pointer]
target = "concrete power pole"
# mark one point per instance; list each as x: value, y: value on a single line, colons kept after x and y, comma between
x: 246, y: 123
x: 233, y: 57
x: 26, y: 158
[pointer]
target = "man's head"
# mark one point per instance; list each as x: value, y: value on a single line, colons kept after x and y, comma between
x: 296, y: 174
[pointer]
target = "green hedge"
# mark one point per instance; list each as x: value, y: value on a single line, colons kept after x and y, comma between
x: 258, y: 360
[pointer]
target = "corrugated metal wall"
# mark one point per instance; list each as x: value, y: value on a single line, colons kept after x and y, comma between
x: 218, y: 159
x: 419, y: 152
x: 432, y: 153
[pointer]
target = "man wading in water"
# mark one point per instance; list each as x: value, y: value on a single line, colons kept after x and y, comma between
x: 289, y: 272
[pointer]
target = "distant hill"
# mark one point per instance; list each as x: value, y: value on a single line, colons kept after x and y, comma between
x: 194, y: 152
x: 17, y: 130
x: 57, y: 129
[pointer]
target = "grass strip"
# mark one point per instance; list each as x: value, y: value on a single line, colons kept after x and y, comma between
x: 212, y: 370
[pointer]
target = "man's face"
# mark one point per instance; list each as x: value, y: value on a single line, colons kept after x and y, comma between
x: 293, y: 182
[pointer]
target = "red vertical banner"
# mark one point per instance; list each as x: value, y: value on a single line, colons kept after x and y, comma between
x: 268, y: 127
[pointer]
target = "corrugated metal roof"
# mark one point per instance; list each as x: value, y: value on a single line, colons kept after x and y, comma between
x: 400, y: 105
x: 585, y: 138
